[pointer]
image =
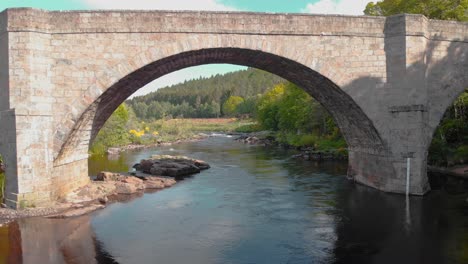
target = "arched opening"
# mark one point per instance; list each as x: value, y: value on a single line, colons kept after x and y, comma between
x: 357, y: 129
x: 448, y: 151
x: 446, y: 141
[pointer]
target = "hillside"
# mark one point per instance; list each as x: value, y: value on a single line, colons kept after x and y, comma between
x: 204, y: 97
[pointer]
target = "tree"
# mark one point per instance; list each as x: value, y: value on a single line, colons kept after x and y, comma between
x: 434, y: 9
x: 231, y: 104
x: 248, y: 106
x: 114, y: 131
x: 268, y: 107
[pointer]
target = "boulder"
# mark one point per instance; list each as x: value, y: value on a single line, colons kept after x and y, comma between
x: 138, y: 183
x: 108, y: 176
x: 173, y: 166
x: 154, y: 184
x: 125, y: 188
x: 201, y: 164
x: 158, y: 181
x: 132, y: 180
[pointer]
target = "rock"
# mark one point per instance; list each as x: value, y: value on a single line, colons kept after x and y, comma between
x: 132, y: 180
x: 78, y: 212
x: 145, y: 166
x: 125, y: 188
x: 202, y: 165
x: 103, y: 200
x: 174, y: 166
x: 154, y: 184
x: 108, y: 176
x: 169, y: 182
x: 113, y: 151
x: 138, y: 183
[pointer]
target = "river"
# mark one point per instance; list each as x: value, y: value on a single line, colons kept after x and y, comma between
x: 255, y: 205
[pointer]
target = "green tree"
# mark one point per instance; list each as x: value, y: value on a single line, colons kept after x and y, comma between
x: 231, y: 104
x: 268, y: 107
x: 434, y: 9
x: 114, y: 132
x: 248, y: 106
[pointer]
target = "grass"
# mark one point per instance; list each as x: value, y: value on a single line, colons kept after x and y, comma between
x: 320, y: 143
x: 206, y: 125
x: 179, y: 129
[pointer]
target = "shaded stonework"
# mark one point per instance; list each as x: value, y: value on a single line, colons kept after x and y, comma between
x: 386, y: 81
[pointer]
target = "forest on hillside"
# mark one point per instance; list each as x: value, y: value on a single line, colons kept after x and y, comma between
x: 210, y: 97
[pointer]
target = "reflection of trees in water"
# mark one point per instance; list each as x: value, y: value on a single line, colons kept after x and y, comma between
x: 98, y: 163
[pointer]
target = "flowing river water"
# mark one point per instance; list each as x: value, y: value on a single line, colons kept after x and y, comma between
x: 255, y: 205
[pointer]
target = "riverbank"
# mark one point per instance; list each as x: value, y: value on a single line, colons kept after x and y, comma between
x: 130, y: 147
x: 267, y: 138
x: 459, y: 171
x: 109, y: 187
x: 162, y: 133
x: 94, y: 196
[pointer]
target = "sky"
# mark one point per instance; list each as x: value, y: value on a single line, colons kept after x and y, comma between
x: 348, y: 7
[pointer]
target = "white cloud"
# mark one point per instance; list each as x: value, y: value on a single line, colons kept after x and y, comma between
x: 212, y: 5
x: 344, y: 7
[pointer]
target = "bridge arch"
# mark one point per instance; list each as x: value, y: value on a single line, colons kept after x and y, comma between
x: 447, y: 80
x: 356, y: 127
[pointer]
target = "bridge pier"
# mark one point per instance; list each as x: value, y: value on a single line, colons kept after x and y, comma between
x: 32, y: 178
x: 388, y: 173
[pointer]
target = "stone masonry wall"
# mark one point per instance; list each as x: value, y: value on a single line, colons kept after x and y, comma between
x: 67, y: 72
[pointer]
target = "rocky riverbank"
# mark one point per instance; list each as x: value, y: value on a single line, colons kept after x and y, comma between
x: 459, y: 171
x: 118, y: 150
x: 157, y: 173
x: 265, y: 138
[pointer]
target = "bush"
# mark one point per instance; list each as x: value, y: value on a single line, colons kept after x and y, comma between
x: 249, y: 128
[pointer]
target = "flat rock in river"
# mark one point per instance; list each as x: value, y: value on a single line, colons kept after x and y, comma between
x: 173, y: 166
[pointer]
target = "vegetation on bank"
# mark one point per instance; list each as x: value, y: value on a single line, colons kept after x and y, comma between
x: 123, y: 128
x: 298, y: 120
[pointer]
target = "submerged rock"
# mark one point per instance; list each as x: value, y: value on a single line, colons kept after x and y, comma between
x: 173, y: 166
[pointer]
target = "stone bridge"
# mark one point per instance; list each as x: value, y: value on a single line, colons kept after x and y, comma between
x: 386, y: 81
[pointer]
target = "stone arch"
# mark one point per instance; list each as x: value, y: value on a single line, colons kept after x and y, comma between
x: 356, y: 127
x: 447, y: 80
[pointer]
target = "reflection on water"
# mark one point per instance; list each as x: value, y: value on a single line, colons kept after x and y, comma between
x: 255, y: 205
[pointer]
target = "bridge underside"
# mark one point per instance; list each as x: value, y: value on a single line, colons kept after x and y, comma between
x: 386, y: 82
